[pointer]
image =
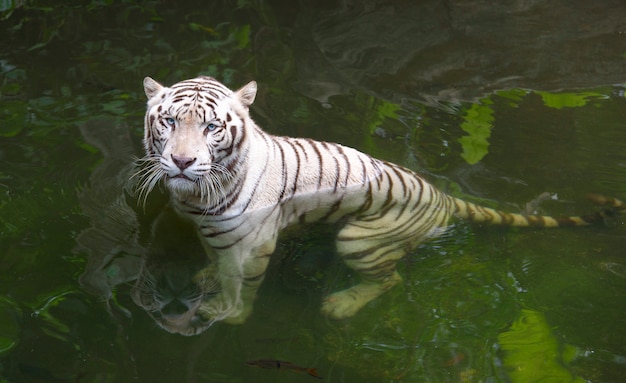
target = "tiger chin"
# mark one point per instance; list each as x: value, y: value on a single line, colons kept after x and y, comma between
x: 240, y: 186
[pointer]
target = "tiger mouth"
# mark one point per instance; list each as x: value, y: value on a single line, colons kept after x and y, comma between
x: 181, y: 176
x: 182, y: 180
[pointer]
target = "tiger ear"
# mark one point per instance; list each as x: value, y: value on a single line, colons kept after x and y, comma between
x: 247, y: 93
x: 151, y: 87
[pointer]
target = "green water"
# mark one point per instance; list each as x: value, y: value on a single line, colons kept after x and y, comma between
x: 499, y: 104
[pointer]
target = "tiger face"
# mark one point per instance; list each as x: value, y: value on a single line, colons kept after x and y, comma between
x: 192, y: 131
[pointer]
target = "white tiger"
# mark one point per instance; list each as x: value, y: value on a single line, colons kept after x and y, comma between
x: 241, y: 186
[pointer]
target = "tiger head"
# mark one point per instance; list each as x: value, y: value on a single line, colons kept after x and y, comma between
x: 193, y: 132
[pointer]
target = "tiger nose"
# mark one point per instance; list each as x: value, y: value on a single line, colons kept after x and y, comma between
x: 183, y: 162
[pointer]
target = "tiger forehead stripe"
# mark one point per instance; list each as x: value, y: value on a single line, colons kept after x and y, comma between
x: 212, y: 87
x: 196, y: 95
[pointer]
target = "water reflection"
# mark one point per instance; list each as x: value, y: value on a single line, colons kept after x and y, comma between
x: 176, y: 277
x: 453, y: 51
x: 115, y: 252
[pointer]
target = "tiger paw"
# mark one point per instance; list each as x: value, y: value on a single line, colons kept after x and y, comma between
x: 344, y: 304
x: 341, y: 305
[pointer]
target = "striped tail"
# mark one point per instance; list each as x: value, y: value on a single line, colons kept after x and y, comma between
x: 613, y: 208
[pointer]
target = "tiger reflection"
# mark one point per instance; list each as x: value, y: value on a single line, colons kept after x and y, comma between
x: 176, y: 277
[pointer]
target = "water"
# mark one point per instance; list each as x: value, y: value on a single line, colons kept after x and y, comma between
x: 500, y: 104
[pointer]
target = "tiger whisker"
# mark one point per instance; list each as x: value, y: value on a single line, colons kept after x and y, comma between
x: 212, y: 186
x: 148, y: 175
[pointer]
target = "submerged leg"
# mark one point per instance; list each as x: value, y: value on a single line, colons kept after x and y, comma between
x: 346, y: 303
x: 373, y: 255
x: 238, y: 278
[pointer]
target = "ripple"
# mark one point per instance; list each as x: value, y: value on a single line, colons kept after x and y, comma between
x: 614, y: 268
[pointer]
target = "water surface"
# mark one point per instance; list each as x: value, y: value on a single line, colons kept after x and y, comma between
x: 519, y: 106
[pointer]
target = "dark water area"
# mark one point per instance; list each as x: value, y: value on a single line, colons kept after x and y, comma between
x: 518, y: 105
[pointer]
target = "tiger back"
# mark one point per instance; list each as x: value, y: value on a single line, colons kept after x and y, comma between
x: 241, y: 186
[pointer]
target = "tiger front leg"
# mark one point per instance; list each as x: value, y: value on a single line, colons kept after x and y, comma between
x: 249, y: 288
x: 239, y: 278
